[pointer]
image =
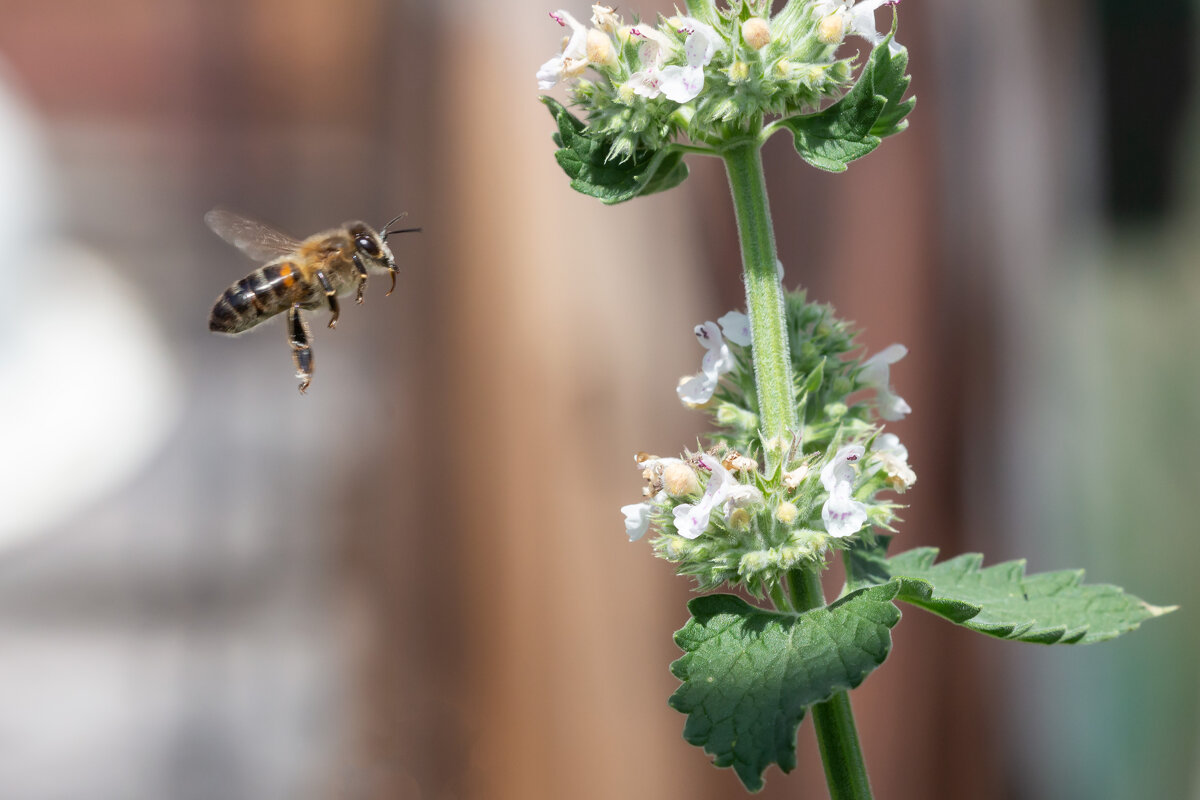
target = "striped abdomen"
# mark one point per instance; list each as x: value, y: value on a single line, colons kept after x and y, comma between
x: 261, y: 294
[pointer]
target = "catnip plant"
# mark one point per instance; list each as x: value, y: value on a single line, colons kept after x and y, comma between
x: 799, y: 467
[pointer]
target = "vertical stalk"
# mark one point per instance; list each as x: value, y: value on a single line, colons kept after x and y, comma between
x: 764, y: 300
x: 845, y: 771
x: 837, y: 736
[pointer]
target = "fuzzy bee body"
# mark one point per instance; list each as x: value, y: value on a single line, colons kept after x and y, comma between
x: 298, y: 275
x: 291, y: 280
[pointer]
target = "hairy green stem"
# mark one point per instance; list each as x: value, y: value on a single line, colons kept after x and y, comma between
x: 845, y: 770
x: 764, y: 300
x: 779, y: 597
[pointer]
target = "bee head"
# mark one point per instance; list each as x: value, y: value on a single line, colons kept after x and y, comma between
x: 374, y: 247
x: 371, y: 246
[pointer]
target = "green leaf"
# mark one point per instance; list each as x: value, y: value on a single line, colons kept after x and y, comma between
x: 854, y: 126
x: 1001, y: 600
x: 748, y: 674
x: 585, y: 158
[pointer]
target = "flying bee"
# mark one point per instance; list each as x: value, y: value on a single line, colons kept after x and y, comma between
x: 298, y: 275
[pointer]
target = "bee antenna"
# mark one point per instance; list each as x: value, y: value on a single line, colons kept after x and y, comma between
x: 402, y: 230
x: 384, y: 230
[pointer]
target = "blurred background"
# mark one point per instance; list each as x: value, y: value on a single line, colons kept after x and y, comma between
x: 414, y: 581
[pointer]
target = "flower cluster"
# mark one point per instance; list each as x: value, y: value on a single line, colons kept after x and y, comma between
x: 723, y: 519
x: 642, y: 84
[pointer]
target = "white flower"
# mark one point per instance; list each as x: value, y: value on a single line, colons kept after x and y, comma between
x: 572, y: 61
x: 678, y: 83
x: 637, y: 516
x: 856, y: 18
x: 892, y: 457
x: 691, y: 519
x: 682, y: 84
x: 740, y: 495
x: 875, y: 374
x: 718, y: 359
x: 723, y: 491
x: 696, y: 390
x: 736, y: 327
x: 842, y: 514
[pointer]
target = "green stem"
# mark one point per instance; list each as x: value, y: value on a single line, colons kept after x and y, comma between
x: 764, y: 299
x: 779, y: 598
x: 845, y: 770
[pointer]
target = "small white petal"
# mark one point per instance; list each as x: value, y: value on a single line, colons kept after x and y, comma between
x: 719, y: 361
x: 736, y: 327
x: 740, y: 495
x: 577, y: 46
x: 697, y: 389
x: 892, y: 407
x: 682, y: 84
x: 708, y: 335
x: 646, y: 84
x: 875, y: 373
x: 890, y: 443
x: 550, y: 73
x: 692, y: 519
x: 840, y: 469
x: 665, y: 43
x: 892, y: 458
x: 888, y: 355
x: 823, y: 8
x: 637, y: 519
x: 842, y: 514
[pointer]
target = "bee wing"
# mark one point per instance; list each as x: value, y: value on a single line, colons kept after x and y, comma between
x: 259, y: 241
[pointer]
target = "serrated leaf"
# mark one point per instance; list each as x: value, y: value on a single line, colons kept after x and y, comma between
x: 584, y: 157
x: 1001, y: 600
x: 748, y: 674
x: 854, y: 126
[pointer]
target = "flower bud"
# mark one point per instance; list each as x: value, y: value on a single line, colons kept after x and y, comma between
x: 679, y: 480
x: 756, y: 32
x: 599, y: 49
x: 732, y: 416
x: 739, y: 519
x: 787, y: 512
x: 791, y: 555
x: 813, y: 542
x: 676, y: 548
x: 755, y: 561
x: 739, y: 71
x: 832, y: 29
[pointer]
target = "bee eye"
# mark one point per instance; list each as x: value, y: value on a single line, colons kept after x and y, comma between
x: 367, y: 245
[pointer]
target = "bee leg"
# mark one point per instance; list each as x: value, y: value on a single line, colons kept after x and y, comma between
x: 298, y: 338
x: 362, y: 277
x: 330, y: 295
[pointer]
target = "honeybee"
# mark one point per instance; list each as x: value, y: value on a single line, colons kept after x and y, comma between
x: 298, y: 275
